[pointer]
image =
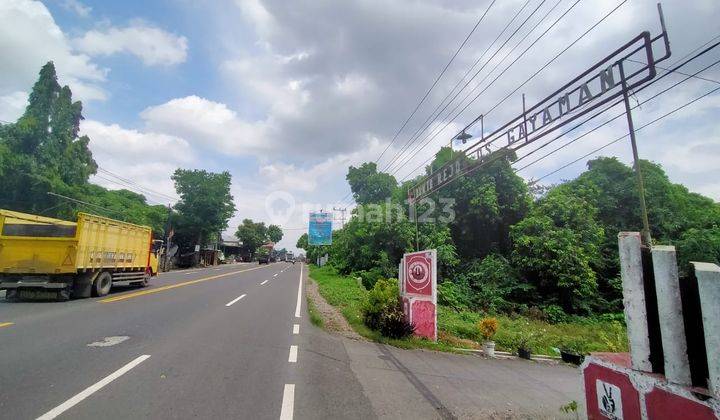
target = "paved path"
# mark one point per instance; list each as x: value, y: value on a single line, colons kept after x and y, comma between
x: 225, y: 343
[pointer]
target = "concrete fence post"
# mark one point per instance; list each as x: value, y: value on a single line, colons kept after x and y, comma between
x: 631, y: 272
x: 708, y: 278
x: 672, y: 326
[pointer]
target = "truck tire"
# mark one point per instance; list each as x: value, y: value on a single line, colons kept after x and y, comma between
x: 102, y: 284
x: 144, y: 283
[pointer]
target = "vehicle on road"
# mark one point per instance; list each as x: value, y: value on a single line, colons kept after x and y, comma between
x: 263, y: 256
x: 42, y: 257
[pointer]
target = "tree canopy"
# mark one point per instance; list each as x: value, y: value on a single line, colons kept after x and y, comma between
x: 368, y: 185
x: 505, y: 247
x: 254, y: 234
x: 205, y: 205
x: 42, y: 152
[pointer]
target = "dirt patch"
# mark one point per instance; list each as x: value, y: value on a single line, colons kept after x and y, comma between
x: 333, y: 321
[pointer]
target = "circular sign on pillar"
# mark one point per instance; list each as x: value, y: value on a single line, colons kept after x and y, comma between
x: 418, y: 273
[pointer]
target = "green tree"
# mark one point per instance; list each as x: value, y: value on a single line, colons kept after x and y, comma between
x: 252, y: 235
x: 368, y: 185
x: 205, y: 205
x: 485, y: 203
x: 274, y: 233
x: 42, y: 150
x: 556, y: 247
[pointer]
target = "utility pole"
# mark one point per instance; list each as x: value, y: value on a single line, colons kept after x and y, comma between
x: 342, y: 211
x: 168, y: 237
x: 645, y: 233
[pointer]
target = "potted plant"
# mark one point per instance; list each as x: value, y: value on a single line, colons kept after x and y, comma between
x: 573, y: 350
x: 524, y: 345
x: 488, y: 327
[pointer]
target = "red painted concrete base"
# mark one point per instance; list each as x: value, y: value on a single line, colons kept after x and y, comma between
x: 614, y: 391
x: 421, y: 313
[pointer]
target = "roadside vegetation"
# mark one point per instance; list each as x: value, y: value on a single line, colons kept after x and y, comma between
x: 541, y: 259
x: 461, y: 329
x: 43, y: 156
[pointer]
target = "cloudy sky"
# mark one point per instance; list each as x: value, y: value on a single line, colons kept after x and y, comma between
x: 286, y: 95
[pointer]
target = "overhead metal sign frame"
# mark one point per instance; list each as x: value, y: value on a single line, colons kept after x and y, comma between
x: 608, y: 79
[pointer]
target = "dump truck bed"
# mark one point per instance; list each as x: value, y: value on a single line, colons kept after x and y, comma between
x: 36, y: 245
x: 32, y: 244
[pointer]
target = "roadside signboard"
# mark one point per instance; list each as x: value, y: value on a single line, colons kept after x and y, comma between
x: 418, y: 291
x: 419, y: 273
x: 628, y: 68
x: 320, y: 228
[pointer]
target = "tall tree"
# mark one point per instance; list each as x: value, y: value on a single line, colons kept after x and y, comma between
x: 370, y: 186
x: 205, y: 205
x: 43, y: 151
x: 252, y: 235
x: 274, y: 233
x: 485, y: 204
x: 556, y: 248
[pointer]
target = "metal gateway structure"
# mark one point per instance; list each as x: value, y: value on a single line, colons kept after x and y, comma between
x: 630, y: 68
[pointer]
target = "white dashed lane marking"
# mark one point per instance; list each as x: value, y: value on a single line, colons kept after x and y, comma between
x: 235, y: 300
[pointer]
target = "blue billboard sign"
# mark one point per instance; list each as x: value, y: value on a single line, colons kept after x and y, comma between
x: 320, y: 228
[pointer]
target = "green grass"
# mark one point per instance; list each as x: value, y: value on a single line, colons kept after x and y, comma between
x: 597, y: 336
x: 348, y: 295
x: 315, y: 318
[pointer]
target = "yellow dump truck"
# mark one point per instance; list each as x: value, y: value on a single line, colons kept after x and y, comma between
x: 51, y: 258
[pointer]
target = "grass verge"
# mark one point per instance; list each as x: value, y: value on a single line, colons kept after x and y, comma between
x: 459, y: 329
x: 347, y: 295
x: 315, y: 318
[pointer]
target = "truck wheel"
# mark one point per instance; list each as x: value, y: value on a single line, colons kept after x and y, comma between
x: 102, y: 284
x: 145, y: 281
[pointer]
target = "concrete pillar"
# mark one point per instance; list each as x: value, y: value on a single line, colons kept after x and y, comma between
x: 672, y: 325
x: 708, y: 277
x: 631, y: 272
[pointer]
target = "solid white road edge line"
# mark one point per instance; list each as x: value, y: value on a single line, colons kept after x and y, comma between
x: 92, y: 389
x: 235, y: 300
x: 263, y: 283
x: 288, y: 402
x: 299, y: 298
x: 292, y: 358
x: 296, y: 329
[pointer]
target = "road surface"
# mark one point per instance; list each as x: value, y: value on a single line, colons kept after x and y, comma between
x: 225, y: 342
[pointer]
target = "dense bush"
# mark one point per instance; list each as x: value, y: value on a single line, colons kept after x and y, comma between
x: 393, y: 323
x: 452, y: 295
x: 382, y: 310
x: 492, y: 285
x: 370, y: 277
x: 549, y: 253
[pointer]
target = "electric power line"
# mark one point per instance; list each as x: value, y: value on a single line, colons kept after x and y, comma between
x: 425, y: 125
x: 525, y: 82
x: 550, y: 27
x: 668, y: 72
x: 137, y: 186
x: 435, y: 133
x: 627, y: 135
x: 85, y: 203
x: 437, y: 79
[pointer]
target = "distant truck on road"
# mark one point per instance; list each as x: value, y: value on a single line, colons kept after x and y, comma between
x: 42, y: 257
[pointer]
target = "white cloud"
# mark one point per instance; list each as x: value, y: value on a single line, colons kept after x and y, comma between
x: 207, y: 124
x: 12, y: 106
x: 77, y: 7
x: 154, y: 46
x: 147, y: 158
x: 29, y: 38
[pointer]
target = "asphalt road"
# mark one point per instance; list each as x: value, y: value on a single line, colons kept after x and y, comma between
x: 186, y: 347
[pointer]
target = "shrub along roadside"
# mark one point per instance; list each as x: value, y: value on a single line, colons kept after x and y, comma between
x: 590, y: 335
